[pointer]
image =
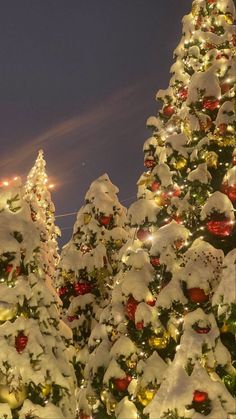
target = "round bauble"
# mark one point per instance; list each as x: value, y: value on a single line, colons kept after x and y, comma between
x: 149, y: 163
x: 121, y: 384
x: 105, y: 220
x: 180, y: 164
x: 210, y: 103
x: 220, y: 228
x: 21, y: 342
x: 7, y: 311
x: 145, y: 396
x: 82, y: 288
x: 87, y: 218
x: 197, y: 295
x: 200, y: 396
x: 15, y: 398
x: 159, y: 341
x: 143, y: 235
x: 168, y: 111
x: 131, y: 307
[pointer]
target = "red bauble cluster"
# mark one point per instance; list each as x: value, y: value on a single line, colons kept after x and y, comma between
x: 220, y: 228
x: 84, y: 416
x: 62, y: 291
x: 200, y: 396
x: 82, y: 288
x: 183, y: 92
x: 131, y: 307
x: 143, y: 234
x: 121, y: 384
x: 149, y: 163
x: 210, y: 103
x: 168, y: 110
x: 155, y: 261
x: 20, y: 342
x: 151, y: 302
x: 197, y: 295
x: 105, y: 220
x: 222, y: 55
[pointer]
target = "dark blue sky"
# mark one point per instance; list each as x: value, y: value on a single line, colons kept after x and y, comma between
x: 78, y: 78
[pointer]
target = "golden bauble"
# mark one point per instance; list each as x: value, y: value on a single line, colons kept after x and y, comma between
x: 159, y: 200
x: 195, y: 8
x: 145, y: 395
x: 46, y: 389
x: 224, y: 328
x: 131, y: 363
x: 118, y: 243
x: 92, y: 399
x: 7, y: 311
x: 15, y: 398
x: 229, y: 18
x: 180, y: 164
x: 211, y: 159
x: 87, y: 218
x: 159, y: 342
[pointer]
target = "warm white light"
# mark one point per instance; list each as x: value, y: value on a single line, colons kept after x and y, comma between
x: 51, y: 186
x: 5, y: 183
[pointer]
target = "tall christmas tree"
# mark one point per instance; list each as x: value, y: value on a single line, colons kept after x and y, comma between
x: 38, y: 196
x: 37, y: 379
x: 174, y: 311
x: 89, y: 262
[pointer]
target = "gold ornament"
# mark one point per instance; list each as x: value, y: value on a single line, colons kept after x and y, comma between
x: 229, y: 18
x: 180, y: 164
x: 109, y: 401
x: 159, y: 200
x: 87, y: 218
x: 145, y: 395
x: 14, y: 397
x: 46, y: 389
x: 160, y: 341
x: 131, y: 363
x: 118, y: 243
x: 224, y: 328
x: 211, y: 159
x: 7, y: 311
x: 92, y: 399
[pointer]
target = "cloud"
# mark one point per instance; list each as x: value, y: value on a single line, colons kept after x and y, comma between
x: 76, y: 132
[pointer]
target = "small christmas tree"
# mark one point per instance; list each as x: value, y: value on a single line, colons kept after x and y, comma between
x: 37, y: 378
x: 90, y: 261
x: 38, y: 196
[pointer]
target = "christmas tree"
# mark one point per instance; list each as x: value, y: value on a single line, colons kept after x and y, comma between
x: 89, y: 262
x: 38, y: 196
x: 174, y: 311
x: 37, y: 379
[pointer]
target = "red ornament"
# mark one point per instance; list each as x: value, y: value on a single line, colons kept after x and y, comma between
x: 168, y: 110
x: 155, y: 261
x: 9, y: 269
x: 121, y: 384
x: 222, y: 55
x: 140, y: 325
x: 143, y: 235
x: 178, y: 244
x: 82, y: 288
x: 234, y: 161
x: 174, y: 217
x: 222, y: 128
x: 210, y: 103
x: 225, y: 87
x: 20, y: 342
x: 84, y: 416
x: 183, y: 92
x: 197, y: 295
x: 203, y: 330
x: 62, y: 291
x: 220, y: 228
x: 105, y: 220
x: 155, y: 186
x: 71, y: 318
x: 131, y: 307
x: 151, y: 303
x: 200, y: 396
x: 231, y: 192
x: 149, y: 163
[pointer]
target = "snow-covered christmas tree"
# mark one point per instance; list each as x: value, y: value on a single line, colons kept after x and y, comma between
x: 174, y: 350
x: 37, y: 378
x: 89, y: 262
x: 38, y: 195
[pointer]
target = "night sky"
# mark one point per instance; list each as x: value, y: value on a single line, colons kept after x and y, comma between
x: 78, y: 79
